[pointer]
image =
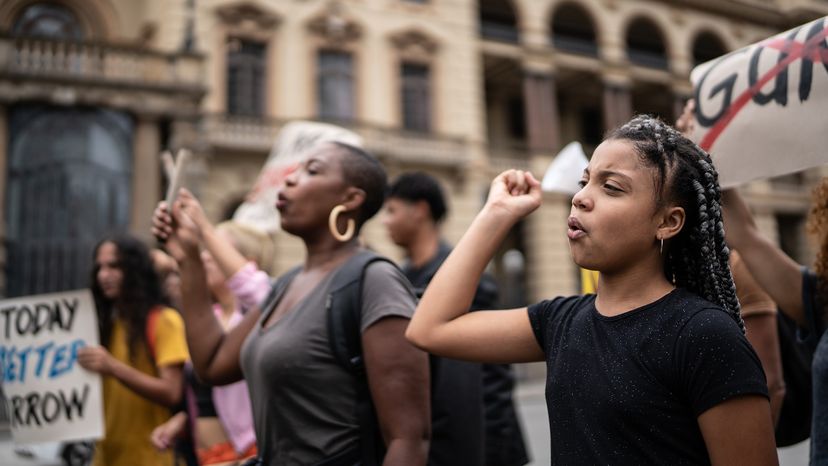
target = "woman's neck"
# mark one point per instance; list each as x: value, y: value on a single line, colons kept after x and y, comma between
x: 327, y: 252
x: 631, y: 288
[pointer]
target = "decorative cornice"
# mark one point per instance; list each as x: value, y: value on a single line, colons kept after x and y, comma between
x: 413, y: 40
x: 334, y: 26
x: 248, y: 13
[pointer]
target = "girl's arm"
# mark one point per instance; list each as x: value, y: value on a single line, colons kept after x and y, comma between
x: 166, y: 389
x: 777, y: 274
x: 441, y: 323
x: 398, y: 377
x: 739, y: 432
x: 215, y: 354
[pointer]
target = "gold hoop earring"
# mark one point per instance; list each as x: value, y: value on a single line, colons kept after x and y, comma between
x: 349, y: 230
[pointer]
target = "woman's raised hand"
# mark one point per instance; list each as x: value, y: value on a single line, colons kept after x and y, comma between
x: 177, y: 231
x: 193, y: 209
x: 515, y: 192
x: 686, y: 122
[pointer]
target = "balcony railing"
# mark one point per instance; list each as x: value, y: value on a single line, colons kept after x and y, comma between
x: 99, y: 63
x: 648, y: 59
x: 257, y: 134
x: 499, y: 31
x: 508, y: 154
x: 575, y: 45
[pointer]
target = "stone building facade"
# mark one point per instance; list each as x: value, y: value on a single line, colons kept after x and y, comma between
x: 92, y: 90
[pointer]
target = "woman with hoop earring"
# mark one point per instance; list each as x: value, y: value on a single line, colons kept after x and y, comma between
x: 304, y: 401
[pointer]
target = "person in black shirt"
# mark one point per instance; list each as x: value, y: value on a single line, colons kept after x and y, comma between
x: 654, y: 368
x: 474, y: 421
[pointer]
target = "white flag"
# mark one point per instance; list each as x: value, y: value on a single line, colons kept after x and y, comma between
x: 566, y: 170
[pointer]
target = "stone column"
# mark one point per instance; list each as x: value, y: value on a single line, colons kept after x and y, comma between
x: 617, y: 104
x: 4, y: 144
x: 146, y: 176
x: 541, y: 104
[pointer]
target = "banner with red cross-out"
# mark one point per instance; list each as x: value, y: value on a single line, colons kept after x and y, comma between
x: 761, y: 110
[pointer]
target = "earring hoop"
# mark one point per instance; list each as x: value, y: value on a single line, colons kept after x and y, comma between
x: 349, y: 230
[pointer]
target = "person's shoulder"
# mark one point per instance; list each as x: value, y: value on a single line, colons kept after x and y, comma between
x: 695, y: 315
x: 564, y: 304
x: 168, y: 316
x: 382, y: 268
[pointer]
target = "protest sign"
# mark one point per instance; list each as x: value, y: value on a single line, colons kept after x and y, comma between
x: 175, y: 173
x: 759, y: 110
x: 49, y: 396
x: 295, y: 140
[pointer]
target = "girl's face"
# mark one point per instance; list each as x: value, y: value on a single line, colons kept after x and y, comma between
x: 613, y: 221
x: 109, y: 275
x: 311, y: 191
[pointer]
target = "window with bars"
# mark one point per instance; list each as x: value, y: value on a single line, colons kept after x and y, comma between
x: 335, y: 81
x: 416, y: 96
x: 246, y: 64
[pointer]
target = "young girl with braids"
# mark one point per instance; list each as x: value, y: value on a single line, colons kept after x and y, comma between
x: 654, y: 368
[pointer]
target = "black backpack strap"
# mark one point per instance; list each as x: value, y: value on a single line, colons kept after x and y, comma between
x: 343, y: 308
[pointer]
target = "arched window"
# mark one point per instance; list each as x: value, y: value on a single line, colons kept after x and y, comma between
x: 498, y: 21
x: 49, y: 20
x: 706, y: 47
x: 645, y: 44
x: 573, y: 31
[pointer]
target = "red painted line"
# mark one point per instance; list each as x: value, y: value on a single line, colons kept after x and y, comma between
x: 797, y: 50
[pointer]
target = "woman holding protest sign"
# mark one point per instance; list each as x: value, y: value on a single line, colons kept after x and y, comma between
x: 142, y: 354
x: 304, y: 401
x: 654, y: 368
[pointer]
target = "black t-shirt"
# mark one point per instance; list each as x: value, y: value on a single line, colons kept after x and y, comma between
x: 628, y: 389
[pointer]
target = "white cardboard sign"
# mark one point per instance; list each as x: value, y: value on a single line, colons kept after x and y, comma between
x: 49, y: 396
x: 760, y: 110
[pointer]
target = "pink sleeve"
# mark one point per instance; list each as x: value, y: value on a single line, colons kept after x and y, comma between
x: 250, y: 285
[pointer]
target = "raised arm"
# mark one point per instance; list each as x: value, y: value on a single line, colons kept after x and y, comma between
x: 215, y: 354
x: 777, y: 274
x: 759, y: 314
x: 441, y: 323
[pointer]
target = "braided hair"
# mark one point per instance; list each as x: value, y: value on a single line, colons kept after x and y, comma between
x: 697, y: 257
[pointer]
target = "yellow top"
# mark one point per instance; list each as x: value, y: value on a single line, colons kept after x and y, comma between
x: 129, y: 418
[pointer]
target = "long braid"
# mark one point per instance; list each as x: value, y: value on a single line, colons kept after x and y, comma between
x: 697, y: 258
